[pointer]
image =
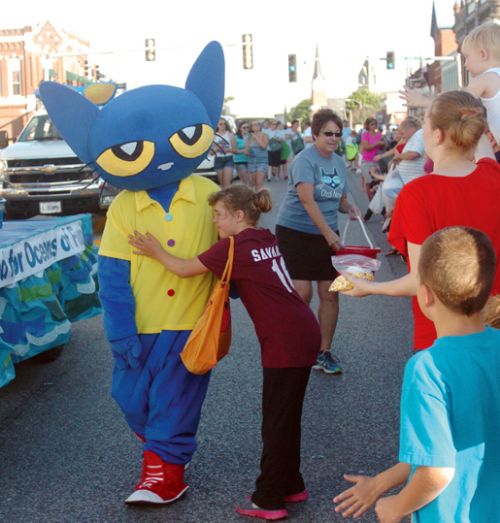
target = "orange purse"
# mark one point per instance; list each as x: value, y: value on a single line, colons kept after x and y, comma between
x: 210, y: 338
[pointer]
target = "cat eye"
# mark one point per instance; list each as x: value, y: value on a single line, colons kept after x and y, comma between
x: 192, y: 141
x: 127, y: 159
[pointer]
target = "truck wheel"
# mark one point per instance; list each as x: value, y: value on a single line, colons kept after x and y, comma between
x: 50, y: 355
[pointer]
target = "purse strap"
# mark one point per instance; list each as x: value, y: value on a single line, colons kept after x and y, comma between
x: 363, y: 228
x: 226, y: 275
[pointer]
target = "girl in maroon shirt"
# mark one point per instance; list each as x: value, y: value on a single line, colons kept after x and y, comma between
x: 289, y: 347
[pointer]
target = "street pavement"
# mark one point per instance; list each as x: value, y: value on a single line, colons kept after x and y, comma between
x: 66, y: 455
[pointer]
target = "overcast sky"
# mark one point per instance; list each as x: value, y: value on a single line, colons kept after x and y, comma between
x: 347, y: 32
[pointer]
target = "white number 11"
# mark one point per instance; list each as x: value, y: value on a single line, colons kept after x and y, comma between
x: 282, y: 273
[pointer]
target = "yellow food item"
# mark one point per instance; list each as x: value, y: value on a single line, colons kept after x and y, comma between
x: 340, y: 283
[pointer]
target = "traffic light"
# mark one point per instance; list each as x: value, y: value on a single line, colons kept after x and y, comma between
x: 86, y: 69
x: 390, y: 60
x: 150, y: 49
x: 247, y: 51
x: 97, y: 73
x: 292, y: 68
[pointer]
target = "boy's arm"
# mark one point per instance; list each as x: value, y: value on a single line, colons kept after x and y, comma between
x: 425, y: 486
x: 356, y: 500
x: 148, y: 245
x: 477, y: 85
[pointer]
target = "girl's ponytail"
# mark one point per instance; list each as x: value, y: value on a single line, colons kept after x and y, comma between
x: 461, y: 116
x: 242, y: 198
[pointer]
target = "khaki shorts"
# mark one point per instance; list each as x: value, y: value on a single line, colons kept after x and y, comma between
x: 365, y: 171
x: 491, y: 312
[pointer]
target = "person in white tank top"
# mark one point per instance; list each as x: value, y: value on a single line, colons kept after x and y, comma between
x: 481, y: 49
x: 223, y: 147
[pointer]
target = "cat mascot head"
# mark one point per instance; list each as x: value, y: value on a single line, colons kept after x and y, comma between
x: 148, y: 137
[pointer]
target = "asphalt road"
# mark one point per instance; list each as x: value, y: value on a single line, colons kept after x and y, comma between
x: 66, y: 455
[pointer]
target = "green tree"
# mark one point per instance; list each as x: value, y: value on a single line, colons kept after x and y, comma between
x: 362, y: 103
x: 302, y: 111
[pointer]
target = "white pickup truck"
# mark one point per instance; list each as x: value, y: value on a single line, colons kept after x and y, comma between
x: 40, y: 174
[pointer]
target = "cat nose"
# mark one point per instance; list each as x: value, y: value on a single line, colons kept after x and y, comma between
x: 165, y: 166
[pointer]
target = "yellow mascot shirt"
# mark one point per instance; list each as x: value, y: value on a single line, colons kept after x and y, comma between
x: 163, y: 300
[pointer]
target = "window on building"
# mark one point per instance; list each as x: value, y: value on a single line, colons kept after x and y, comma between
x: 15, y: 76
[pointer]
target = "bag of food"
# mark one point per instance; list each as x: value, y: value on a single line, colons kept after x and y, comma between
x: 355, y: 265
x: 357, y: 260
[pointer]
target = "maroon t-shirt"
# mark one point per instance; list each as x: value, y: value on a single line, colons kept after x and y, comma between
x: 286, y: 327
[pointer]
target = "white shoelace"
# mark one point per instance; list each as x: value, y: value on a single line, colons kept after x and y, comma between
x: 153, y: 476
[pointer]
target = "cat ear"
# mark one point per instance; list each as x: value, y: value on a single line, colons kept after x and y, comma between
x: 72, y: 114
x: 206, y: 79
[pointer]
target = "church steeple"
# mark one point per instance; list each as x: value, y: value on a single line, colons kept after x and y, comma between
x: 317, y: 66
x: 318, y: 85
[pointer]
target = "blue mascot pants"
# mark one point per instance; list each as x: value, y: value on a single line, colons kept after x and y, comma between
x: 161, y: 400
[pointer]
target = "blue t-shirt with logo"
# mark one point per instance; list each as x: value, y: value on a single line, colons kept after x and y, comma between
x: 328, y: 175
x: 450, y: 417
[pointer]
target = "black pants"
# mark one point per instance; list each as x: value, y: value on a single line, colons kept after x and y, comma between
x: 282, y: 399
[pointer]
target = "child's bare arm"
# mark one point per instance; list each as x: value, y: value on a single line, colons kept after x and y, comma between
x: 388, y: 153
x: 414, y: 98
x: 356, y: 500
x: 478, y: 85
x: 148, y: 245
x: 425, y: 486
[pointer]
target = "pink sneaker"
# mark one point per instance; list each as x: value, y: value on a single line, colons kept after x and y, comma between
x: 299, y: 497
x: 248, y: 508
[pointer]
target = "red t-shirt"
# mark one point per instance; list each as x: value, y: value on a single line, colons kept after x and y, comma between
x: 286, y: 327
x: 432, y: 202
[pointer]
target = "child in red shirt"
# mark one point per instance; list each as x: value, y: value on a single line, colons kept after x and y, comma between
x: 458, y: 192
x: 289, y: 346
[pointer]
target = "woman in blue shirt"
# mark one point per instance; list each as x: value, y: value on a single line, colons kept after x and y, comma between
x: 307, y: 224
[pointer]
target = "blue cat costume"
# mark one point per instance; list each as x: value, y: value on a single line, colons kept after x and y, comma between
x: 148, y: 141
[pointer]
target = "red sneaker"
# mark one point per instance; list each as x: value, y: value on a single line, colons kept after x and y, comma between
x: 248, y: 508
x: 160, y: 483
x: 299, y: 497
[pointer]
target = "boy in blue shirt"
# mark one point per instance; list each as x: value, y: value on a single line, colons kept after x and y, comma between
x: 450, y: 405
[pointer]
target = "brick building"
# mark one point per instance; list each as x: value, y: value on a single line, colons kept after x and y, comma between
x: 471, y: 13
x: 29, y: 55
x: 449, y: 26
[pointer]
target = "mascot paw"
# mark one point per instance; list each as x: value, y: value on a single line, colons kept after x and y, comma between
x: 127, y: 352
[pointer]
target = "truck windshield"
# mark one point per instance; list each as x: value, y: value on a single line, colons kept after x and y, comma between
x: 39, y: 128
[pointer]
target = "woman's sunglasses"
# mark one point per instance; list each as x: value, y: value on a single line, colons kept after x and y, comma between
x: 331, y: 133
